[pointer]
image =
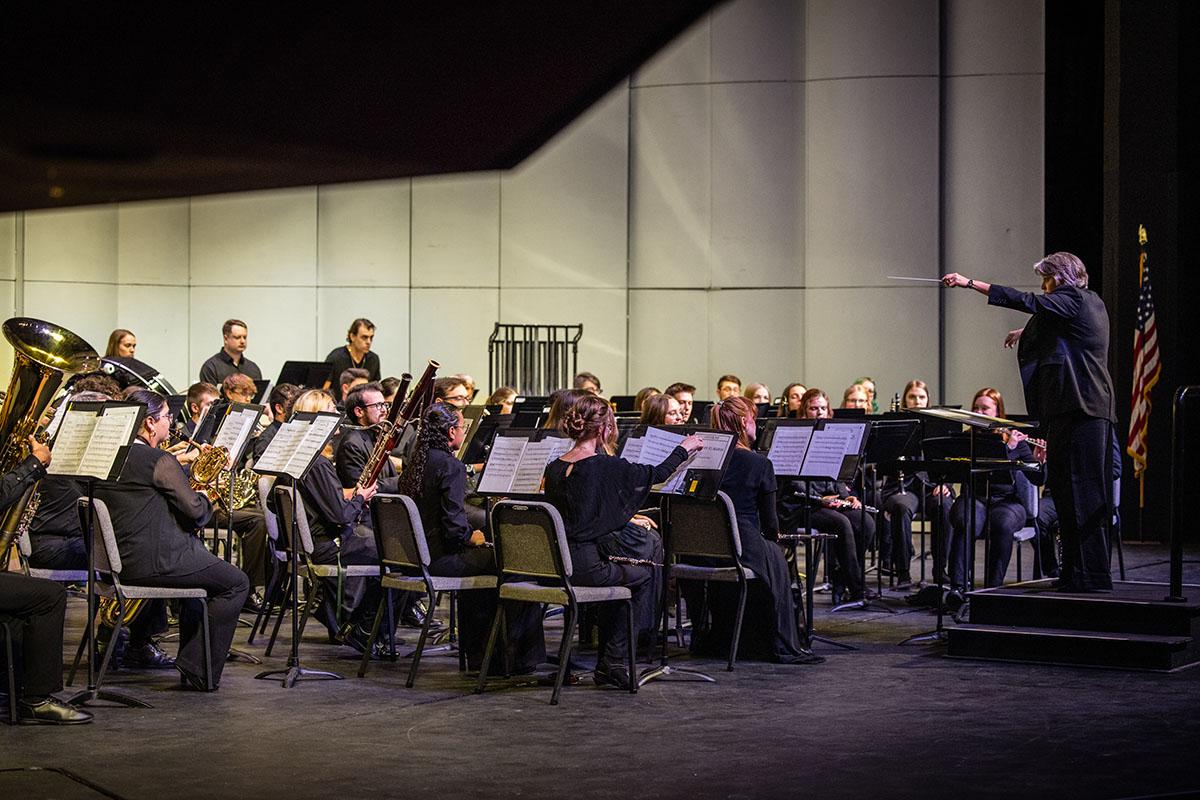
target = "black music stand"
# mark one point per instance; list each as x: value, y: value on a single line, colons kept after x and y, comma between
x: 305, y: 374
x: 292, y: 453
x: 101, y: 457
x: 888, y: 440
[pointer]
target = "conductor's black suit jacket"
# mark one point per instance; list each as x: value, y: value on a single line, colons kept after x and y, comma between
x: 155, y: 515
x: 1063, y: 352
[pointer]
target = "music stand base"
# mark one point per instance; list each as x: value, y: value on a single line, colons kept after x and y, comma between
x: 936, y: 636
x: 291, y: 675
x: 667, y: 671
x: 872, y: 604
x: 815, y: 638
x: 242, y: 656
x: 86, y: 696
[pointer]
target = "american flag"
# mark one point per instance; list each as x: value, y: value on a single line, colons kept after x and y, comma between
x: 1146, y: 366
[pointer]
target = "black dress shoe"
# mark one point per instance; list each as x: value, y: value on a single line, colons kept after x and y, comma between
x: 148, y: 656
x: 354, y: 636
x: 253, y: 603
x: 605, y: 675
x: 51, y: 711
x: 414, y: 617
x: 190, y: 680
x: 805, y: 656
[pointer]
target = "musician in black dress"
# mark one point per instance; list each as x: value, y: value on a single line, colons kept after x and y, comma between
x: 437, y: 482
x: 769, y: 627
x: 597, y: 495
x: 155, y: 515
x: 1062, y: 353
x: 999, y: 512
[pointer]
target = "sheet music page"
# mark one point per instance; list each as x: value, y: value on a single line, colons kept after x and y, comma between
x: 657, y: 444
x: 310, y: 444
x: 72, y: 441
x: 632, y: 451
x: 236, y: 429
x: 502, y: 464
x: 112, y: 432
x: 716, y: 446
x: 528, y: 477
x: 828, y: 448
x: 788, y: 446
x: 279, y: 451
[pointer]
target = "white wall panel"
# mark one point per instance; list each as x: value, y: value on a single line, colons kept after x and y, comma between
x: 602, y: 313
x: 866, y: 38
x: 758, y: 40
x: 158, y: 316
x: 887, y: 333
x: 7, y: 308
x: 456, y: 230
x: 564, y: 211
x: 975, y: 354
x: 152, y: 242
x: 668, y: 338
x: 670, y: 187
x: 88, y: 310
x: 386, y: 307
x: 8, y: 246
x: 872, y: 194
x: 757, y: 335
x: 280, y: 322
x: 685, y: 60
x: 985, y: 37
x: 758, y: 185
x: 363, y: 234
x: 452, y: 327
x: 74, y: 244
x: 255, y: 239
x: 994, y: 176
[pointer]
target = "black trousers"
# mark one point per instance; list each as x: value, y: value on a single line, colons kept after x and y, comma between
x: 40, y: 606
x: 1080, y: 478
x: 591, y: 568
x: 57, y: 551
x: 1047, y: 534
x: 851, y: 526
x: 901, y: 508
x: 227, y: 588
x: 998, y: 521
x: 251, y: 527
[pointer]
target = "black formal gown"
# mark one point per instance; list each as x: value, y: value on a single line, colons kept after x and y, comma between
x: 769, y: 623
x: 443, y: 487
x: 597, y: 496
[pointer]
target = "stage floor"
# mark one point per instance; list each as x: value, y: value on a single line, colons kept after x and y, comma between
x: 881, y: 721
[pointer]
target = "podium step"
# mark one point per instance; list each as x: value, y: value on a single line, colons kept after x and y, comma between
x: 1043, y: 645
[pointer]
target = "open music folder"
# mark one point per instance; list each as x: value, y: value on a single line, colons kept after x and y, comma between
x: 700, y: 475
x: 814, y: 448
x: 93, y: 438
x: 299, y: 441
x: 517, y: 461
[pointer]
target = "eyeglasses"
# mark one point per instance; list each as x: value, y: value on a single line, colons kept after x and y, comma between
x: 457, y: 398
x: 380, y: 404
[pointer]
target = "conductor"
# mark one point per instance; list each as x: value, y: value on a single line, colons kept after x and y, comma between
x: 1062, y: 354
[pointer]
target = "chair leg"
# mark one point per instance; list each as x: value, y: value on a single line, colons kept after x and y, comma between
x: 288, y: 593
x: 454, y: 637
x: 737, y: 625
x: 362, y: 667
x: 564, y: 652
x: 206, y: 649
x: 631, y: 651
x: 12, y: 675
x: 84, y: 641
x: 434, y: 599
x: 310, y: 603
x: 487, y: 652
x: 678, y: 617
x: 264, y: 609
x: 112, y: 643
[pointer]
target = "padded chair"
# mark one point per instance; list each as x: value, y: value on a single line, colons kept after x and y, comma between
x: 25, y: 549
x: 279, y: 569
x: 284, y: 496
x: 707, y: 529
x: 404, y: 566
x: 106, y: 561
x: 535, y: 567
x: 1029, y: 501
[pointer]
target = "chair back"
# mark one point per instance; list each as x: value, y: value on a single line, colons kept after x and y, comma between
x: 399, y: 534
x: 285, y: 496
x: 1027, y: 493
x: 106, y: 558
x: 265, y: 482
x: 530, y: 540
x: 703, y: 528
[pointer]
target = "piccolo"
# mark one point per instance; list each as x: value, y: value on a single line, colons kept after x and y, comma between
x: 636, y: 562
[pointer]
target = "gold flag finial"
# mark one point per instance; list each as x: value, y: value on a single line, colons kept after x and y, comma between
x: 1141, y: 234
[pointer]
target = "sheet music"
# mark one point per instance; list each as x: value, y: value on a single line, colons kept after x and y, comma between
x: 276, y: 456
x: 828, y: 448
x: 788, y: 446
x: 112, y: 431
x: 632, y: 451
x: 72, y: 441
x: 657, y: 444
x: 310, y: 444
x: 236, y: 429
x: 502, y: 464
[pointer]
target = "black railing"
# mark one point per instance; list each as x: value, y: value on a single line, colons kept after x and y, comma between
x: 533, y: 359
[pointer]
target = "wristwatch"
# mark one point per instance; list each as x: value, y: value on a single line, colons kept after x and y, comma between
x: 970, y: 283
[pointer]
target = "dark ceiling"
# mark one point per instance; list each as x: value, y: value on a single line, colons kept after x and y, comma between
x: 108, y: 101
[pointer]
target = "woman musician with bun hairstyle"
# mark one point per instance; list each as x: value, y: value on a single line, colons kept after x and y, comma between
x: 597, y: 495
x: 770, y: 615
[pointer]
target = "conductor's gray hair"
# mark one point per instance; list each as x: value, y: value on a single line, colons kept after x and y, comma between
x: 1065, y: 268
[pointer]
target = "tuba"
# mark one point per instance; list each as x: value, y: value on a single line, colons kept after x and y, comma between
x: 45, y: 354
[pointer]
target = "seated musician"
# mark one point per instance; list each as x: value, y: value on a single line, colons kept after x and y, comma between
x: 199, y: 397
x: 155, y: 515
x: 280, y: 404
x: 769, y: 630
x: 597, y: 495
x: 562, y: 401
x: 998, y: 510
x: 121, y: 344
x: 436, y: 480
x: 906, y: 495
x: 588, y: 382
x: 389, y: 386
x: 662, y: 409
x: 643, y: 394
x: 351, y: 379
x: 335, y: 519
x: 790, y: 407
x: 356, y: 353
x: 856, y: 396
x: 238, y: 388
x: 503, y: 397
x: 833, y: 509
x: 757, y: 393
x: 685, y: 395
x: 469, y: 383
x: 868, y: 384
x: 728, y: 386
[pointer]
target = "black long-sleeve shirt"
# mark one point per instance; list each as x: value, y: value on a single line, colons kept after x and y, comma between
x: 13, y: 484
x: 353, y: 450
x: 443, y: 487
